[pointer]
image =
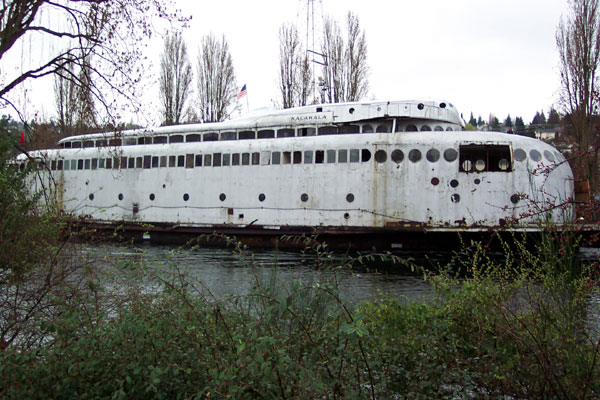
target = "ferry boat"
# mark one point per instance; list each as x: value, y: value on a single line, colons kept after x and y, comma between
x: 390, y: 174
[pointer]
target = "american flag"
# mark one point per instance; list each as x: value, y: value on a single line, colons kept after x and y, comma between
x: 242, y: 92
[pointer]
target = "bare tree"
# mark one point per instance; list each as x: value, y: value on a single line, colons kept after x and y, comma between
x: 295, y: 75
x: 346, y: 72
x: 175, y: 79
x: 578, y: 42
x: 106, y: 33
x: 65, y: 99
x: 216, y: 80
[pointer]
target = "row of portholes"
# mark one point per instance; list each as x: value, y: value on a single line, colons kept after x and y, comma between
x: 415, y: 155
x: 261, y: 197
x: 535, y: 155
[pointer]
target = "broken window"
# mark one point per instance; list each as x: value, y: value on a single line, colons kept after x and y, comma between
x: 319, y: 156
x: 297, y: 157
x: 189, y: 161
x: 198, y: 160
x: 154, y: 161
x: 485, y: 158
x: 180, y: 161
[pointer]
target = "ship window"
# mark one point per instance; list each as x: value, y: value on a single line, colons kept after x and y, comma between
x: 380, y: 156
x: 228, y: 135
x: 148, y: 161
x: 433, y: 155
x: 94, y: 163
x: 342, y: 156
x: 397, y: 156
x: 216, y: 159
x: 176, y: 139
x: 425, y: 128
x: 297, y: 157
x: 265, y: 157
x: 449, y: 129
x: 172, y: 161
x: 107, y: 164
x: 520, y: 155
x: 100, y: 143
x: 235, y: 159
x: 319, y: 156
x: 193, y: 137
x: 129, y: 141
x: 210, y: 137
x: 244, y: 135
x: 163, y: 161
x: 438, y: 128
x: 114, y: 142
x: 226, y: 159
x: 255, y: 158
x: 87, y: 164
x: 384, y: 128
x: 245, y: 158
x: 159, y: 139
x: 145, y: 140
x: 366, y: 155
x: 101, y: 163
x: 354, y: 155
x: 79, y: 164
x: 76, y: 145
x: 131, y: 162
x: 276, y: 158
x: 181, y: 161
x: 349, y: 129
x: 53, y: 165
x: 411, y: 128
x: 59, y: 165
x: 549, y: 156
x: 414, y: 155
x: 67, y: 145
x: 307, y: 132
x: 535, y: 155
x: 88, y: 143
x: 308, y: 157
x: 198, y: 160
x: 287, y: 157
x: 286, y: 132
x: 367, y: 128
x: 139, y: 162
x: 328, y: 130
x: 450, y: 155
x: 266, y: 134
x: 330, y: 156
x: 484, y: 158
x: 207, y: 160
x: 67, y: 165
x: 189, y: 161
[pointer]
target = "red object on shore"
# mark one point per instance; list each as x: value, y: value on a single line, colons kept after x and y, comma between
x: 22, y: 138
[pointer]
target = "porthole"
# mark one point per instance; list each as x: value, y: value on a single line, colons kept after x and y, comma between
x: 121, y: 196
x: 91, y: 196
x: 479, y: 165
x: 454, y: 183
x: 455, y: 198
x: 515, y: 198
x: 346, y: 216
x: 549, y: 156
x: 519, y: 155
x: 351, y: 110
x: 433, y: 155
x: 397, y: 156
x: 425, y: 128
x: 421, y: 106
x: 414, y: 155
x: 449, y: 129
x: 380, y: 156
x: 411, y: 128
x: 304, y: 197
x: 152, y: 197
x: 438, y: 128
x: 467, y: 165
x: 349, y: 197
x: 503, y: 164
x: 222, y: 197
x: 186, y: 197
x: 477, y: 181
x: 261, y: 197
x: 535, y: 155
x: 435, y: 181
x: 450, y: 155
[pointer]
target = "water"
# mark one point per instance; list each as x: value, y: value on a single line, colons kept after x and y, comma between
x: 221, y: 272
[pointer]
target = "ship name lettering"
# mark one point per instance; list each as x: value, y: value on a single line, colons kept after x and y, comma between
x: 309, y: 118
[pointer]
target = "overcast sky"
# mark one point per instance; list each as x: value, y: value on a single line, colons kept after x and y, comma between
x: 484, y: 56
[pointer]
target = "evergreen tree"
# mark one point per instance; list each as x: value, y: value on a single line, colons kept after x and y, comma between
x: 508, y: 122
x: 472, y: 120
x: 519, y: 125
x: 553, y: 117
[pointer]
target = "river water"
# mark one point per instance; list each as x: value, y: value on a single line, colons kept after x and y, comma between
x: 223, y: 272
